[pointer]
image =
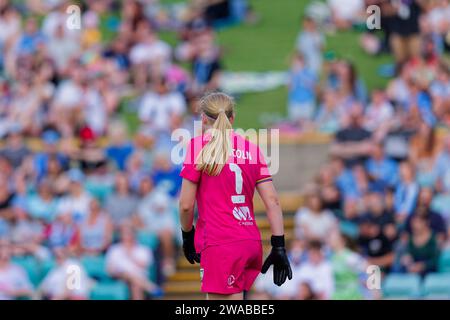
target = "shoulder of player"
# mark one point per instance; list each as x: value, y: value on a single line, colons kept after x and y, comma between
x: 245, y: 141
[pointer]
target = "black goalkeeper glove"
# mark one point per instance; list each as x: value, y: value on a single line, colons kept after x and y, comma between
x: 188, y: 246
x: 279, y: 259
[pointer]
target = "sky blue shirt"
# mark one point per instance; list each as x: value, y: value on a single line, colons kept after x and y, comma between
x: 385, y: 170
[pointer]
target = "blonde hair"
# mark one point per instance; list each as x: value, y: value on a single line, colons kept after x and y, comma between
x: 218, y: 108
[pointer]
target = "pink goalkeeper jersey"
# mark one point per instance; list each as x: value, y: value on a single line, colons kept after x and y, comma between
x: 225, y: 201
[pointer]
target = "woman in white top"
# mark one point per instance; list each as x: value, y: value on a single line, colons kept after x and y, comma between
x: 68, y: 280
x: 312, y: 222
x: 130, y: 262
x: 14, y: 282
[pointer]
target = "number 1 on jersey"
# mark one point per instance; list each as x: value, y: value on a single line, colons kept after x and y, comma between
x: 238, y: 198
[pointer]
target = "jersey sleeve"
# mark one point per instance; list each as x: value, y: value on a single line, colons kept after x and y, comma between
x: 189, y: 171
x: 262, y: 174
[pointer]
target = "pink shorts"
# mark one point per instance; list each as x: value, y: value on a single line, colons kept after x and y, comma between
x: 230, y: 268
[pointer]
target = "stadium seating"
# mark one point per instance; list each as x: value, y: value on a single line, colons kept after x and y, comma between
x: 95, y: 267
x: 45, y: 267
x: 148, y: 239
x: 444, y: 261
x: 31, y: 266
x: 350, y: 229
x: 401, y: 286
x: 112, y: 290
x: 436, y: 286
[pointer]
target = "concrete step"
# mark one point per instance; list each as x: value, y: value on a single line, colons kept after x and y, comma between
x: 185, y: 283
x: 264, y: 224
x: 290, y: 202
x: 185, y: 287
x: 186, y: 274
x: 184, y: 296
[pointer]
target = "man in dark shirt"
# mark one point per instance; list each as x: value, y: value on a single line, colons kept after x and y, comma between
x: 435, y: 220
x: 15, y: 150
x: 376, y: 210
x: 353, y: 142
x: 376, y: 247
x: 405, y: 39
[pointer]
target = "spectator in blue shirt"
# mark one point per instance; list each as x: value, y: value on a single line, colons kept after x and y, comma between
x: 381, y: 168
x: 120, y: 148
x: 442, y: 166
x: 422, y: 101
x: 51, y: 139
x: 31, y: 39
x: 406, y: 193
x: 166, y: 176
x: 302, y: 86
x: 310, y: 43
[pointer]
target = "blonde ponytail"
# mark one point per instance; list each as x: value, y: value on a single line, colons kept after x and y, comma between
x: 218, y: 108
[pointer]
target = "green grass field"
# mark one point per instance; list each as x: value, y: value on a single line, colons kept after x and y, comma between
x: 268, y: 45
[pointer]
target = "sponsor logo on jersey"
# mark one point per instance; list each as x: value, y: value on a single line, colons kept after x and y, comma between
x: 242, y: 213
x: 230, y: 281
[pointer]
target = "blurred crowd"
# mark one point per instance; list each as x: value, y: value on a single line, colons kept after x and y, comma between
x: 79, y: 194
x: 76, y: 189
x: 383, y: 197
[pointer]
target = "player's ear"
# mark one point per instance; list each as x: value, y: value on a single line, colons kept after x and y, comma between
x: 231, y: 119
x: 204, y: 120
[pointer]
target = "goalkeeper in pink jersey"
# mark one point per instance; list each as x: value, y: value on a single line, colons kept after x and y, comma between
x: 221, y: 172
